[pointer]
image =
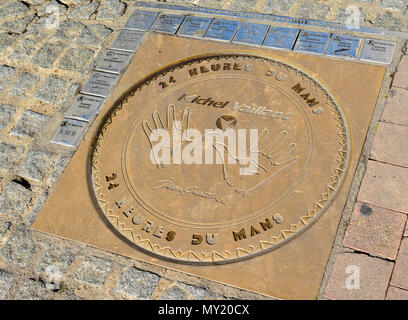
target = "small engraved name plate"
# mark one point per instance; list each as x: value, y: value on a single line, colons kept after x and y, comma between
x: 281, y: 38
x: 85, y: 107
x: 100, y: 84
x: 114, y: 61
x: 222, y: 30
x: 167, y: 23
x: 251, y: 33
x: 141, y: 20
x: 69, y: 132
x: 194, y: 27
x: 127, y: 40
x: 375, y: 50
x: 312, y: 41
x: 343, y: 46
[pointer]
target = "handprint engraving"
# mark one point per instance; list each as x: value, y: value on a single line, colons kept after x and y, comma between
x: 170, y: 130
x: 274, y: 156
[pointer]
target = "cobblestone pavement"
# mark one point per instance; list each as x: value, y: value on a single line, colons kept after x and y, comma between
x: 43, y: 67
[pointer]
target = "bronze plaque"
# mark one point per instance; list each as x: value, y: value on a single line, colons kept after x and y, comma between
x: 192, y: 208
x: 309, y: 115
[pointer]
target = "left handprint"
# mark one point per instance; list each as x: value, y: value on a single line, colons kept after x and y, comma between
x: 167, y: 135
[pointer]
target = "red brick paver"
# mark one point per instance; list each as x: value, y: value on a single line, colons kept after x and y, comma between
x: 400, y: 275
x: 396, y: 108
x: 375, y: 230
x: 374, y: 275
x: 401, y: 77
x: 396, y: 294
x: 391, y: 144
x: 385, y: 185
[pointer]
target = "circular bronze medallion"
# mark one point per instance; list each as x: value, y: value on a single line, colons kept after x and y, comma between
x: 221, y: 157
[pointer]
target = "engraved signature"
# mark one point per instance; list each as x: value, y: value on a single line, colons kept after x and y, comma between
x: 169, y: 185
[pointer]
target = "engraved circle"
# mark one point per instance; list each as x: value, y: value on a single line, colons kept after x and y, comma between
x: 330, y: 151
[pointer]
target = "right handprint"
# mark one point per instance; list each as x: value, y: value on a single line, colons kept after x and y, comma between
x: 271, y: 157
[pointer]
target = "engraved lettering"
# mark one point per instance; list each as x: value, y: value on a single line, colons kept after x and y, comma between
x: 113, y: 185
x: 204, y: 69
x: 211, y: 238
x: 138, y: 219
x: 159, y: 232
x: 215, y: 67
x: 193, y: 72
x: 148, y: 226
x: 298, y: 88
x: 170, y: 236
x: 311, y: 102
x: 254, y: 231
x: 112, y: 177
x: 261, y: 111
x: 197, y: 239
x: 121, y: 203
x: 128, y: 211
x: 267, y: 224
x: 239, y: 235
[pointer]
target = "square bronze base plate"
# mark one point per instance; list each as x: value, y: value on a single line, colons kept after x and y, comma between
x: 293, y: 271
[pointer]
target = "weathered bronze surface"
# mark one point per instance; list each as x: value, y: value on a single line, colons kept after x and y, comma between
x: 312, y: 115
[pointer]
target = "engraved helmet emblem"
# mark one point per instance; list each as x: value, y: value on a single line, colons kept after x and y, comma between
x: 226, y: 121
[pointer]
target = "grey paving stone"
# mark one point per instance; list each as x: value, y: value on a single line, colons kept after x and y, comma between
x: 195, y: 292
x: 33, y: 290
x: 35, y: 2
x: 111, y: 9
x: 19, y: 247
x: 19, y: 25
x: 343, y: 16
x: 39, y: 203
x: 85, y: 10
x: 36, y: 165
x: 68, y: 2
x: 39, y: 29
x: 7, y: 113
x: 137, y: 283
x: 6, y: 281
x: 388, y: 21
x: 76, y: 59
x: 24, y: 82
x: 93, y: 270
x: 9, y: 155
x: 400, y: 5
x: 6, y: 73
x: 58, y: 170
x: 13, y: 9
x: 173, y: 293
x: 4, y: 226
x: 51, y: 89
x: 52, y: 7
x: 57, y: 256
x: 69, y: 30
x: 246, y: 5
x: 14, y: 199
x: 94, y: 35
x: 72, y: 90
x: 23, y: 49
x: 29, y: 124
x: 5, y: 41
x: 47, y: 54
x: 313, y: 10
x: 278, y: 6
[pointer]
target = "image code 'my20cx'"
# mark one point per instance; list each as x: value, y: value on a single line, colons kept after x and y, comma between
x: 220, y: 157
